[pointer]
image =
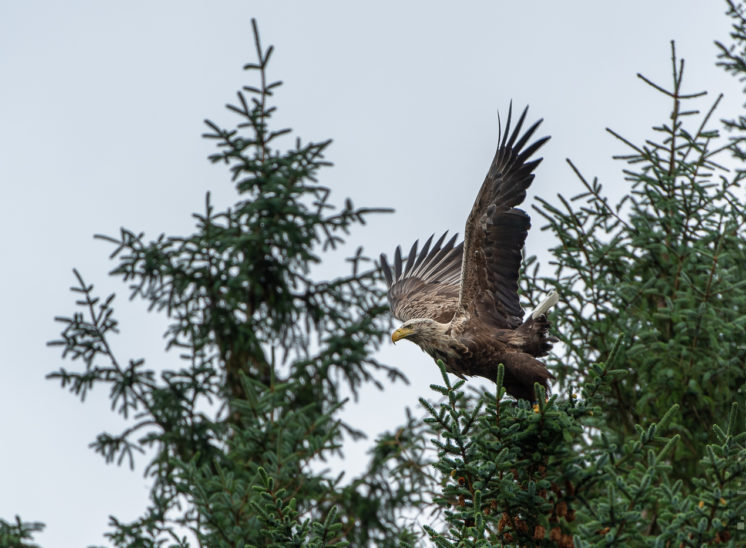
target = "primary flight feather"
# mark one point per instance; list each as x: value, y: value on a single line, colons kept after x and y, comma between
x: 459, y: 302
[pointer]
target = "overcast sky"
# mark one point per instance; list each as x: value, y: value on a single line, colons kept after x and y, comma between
x: 101, y: 111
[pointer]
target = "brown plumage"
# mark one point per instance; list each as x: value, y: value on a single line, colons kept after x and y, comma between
x: 459, y: 302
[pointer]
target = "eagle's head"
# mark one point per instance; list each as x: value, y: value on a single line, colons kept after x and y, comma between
x: 422, y: 331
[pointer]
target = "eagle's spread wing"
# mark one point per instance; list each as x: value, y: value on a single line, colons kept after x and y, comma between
x: 427, y: 285
x: 495, y: 232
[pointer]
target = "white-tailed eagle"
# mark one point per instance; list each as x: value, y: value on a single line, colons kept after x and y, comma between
x: 459, y: 302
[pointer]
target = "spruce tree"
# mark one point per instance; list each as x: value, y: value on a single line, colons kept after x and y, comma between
x: 643, y: 442
x: 238, y: 435
x: 662, y: 267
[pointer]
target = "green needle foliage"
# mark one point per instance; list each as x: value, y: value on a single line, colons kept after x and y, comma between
x: 663, y: 266
x: 517, y: 475
x: 17, y: 533
x: 642, y: 442
x: 237, y: 437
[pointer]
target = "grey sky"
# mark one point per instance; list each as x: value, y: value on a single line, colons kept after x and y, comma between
x: 101, y: 109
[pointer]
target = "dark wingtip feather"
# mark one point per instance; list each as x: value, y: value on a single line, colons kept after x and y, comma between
x: 507, y: 126
x: 442, y: 253
x: 397, y: 262
x: 527, y: 135
x: 437, y: 247
x: 531, y: 150
x: 412, y: 256
x: 386, y: 270
x: 517, y: 129
x: 424, y: 252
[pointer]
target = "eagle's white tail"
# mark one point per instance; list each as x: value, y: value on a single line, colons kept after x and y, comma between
x: 548, y: 302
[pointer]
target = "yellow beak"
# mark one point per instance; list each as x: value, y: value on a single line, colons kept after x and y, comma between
x: 401, y: 333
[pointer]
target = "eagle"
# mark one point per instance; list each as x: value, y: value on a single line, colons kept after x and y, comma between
x: 459, y: 302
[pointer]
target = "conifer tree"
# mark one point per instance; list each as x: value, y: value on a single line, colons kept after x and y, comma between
x: 662, y: 267
x: 643, y: 442
x: 239, y: 434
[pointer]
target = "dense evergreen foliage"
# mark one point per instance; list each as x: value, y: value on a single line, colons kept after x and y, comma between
x: 662, y: 267
x: 642, y: 442
x: 236, y: 438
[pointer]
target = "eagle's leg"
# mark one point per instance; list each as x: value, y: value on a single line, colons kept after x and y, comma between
x: 533, y: 335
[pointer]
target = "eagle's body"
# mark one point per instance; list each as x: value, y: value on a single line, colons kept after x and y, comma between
x: 459, y: 303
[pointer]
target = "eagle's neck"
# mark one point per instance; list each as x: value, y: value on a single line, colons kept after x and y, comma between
x: 436, y: 339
